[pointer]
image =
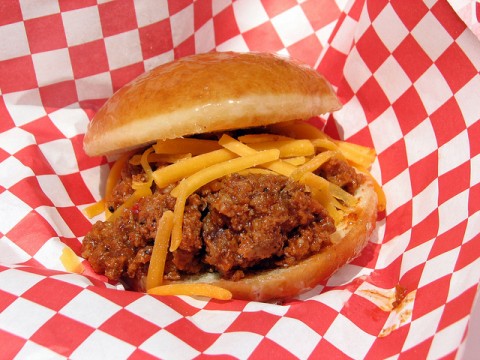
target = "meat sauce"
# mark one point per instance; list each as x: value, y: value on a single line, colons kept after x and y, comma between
x: 233, y: 225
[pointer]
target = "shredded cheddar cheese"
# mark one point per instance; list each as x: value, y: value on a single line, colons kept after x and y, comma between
x: 95, y: 209
x: 70, y: 261
x: 192, y: 289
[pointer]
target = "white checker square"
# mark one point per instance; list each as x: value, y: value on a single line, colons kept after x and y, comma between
x: 100, y: 345
x: 123, y: 49
x: 74, y: 279
x: 24, y: 106
x: 182, y: 25
x: 351, y: 118
x: 152, y: 62
x: 287, y: 331
x: 94, y: 87
x: 438, y: 267
x: 336, y: 299
x: 53, y: 217
x: 424, y: 203
x: 432, y: 89
x: 349, y: 338
x: 363, y: 24
x: 16, y: 281
x: 59, y: 154
x: 70, y: 121
x: 255, y: 306
x: 236, y: 43
x: 147, y: 307
x: 49, y: 254
x: 150, y: 11
x: 204, y: 38
x: 416, y: 256
x: 432, y: 36
x: 390, y: 28
x: 23, y: 317
x: 15, y: 139
x: 468, y: 98
x: 465, y: 278
x: 213, y: 321
x: 249, y: 14
x: 165, y: 345
x: 91, y: 178
x: 356, y: 72
x: 82, y: 25
x: 347, y: 274
x: 41, y: 352
x: 392, y: 250
x: 420, y: 142
x: 12, y: 49
x: 385, y: 130
x: 80, y: 308
x: 473, y: 227
x: 399, y: 191
x: 16, y: 171
x: 219, y: 5
x: 53, y: 188
x: 422, y: 328
x: 454, y: 153
x: 34, y: 8
x: 292, y: 26
x: 392, y: 79
x: 469, y: 44
x: 12, y: 211
x: 52, y: 67
x: 11, y: 253
x: 344, y: 36
x: 445, y: 342
x: 453, y: 211
x: 228, y: 343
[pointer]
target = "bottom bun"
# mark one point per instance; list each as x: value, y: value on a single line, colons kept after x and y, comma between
x: 348, y: 241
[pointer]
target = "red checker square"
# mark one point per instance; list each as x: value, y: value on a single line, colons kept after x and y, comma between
x: 372, y: 50
x: 262, y: 35
x: 3, y: 156
x: 11, y: 12
x: 362, y: 137
x: 5, y: 300
x: 181, y: 306
x: 225, y: 305
x: 185, y: 48
x: 175, y: 6
x: 332, y: 65
x: 117, y: 17
x: 76, y: 220
x: 62, y: 334
x: 306, y: 50
x: 368, y: 257
x: 410, y: 12
x: 373, y: 99
x: 375, y: 8
x: 29, y: 191
x: 141, y: 355
x: 431, y: 296
x: 256, y: 322
x: 453, y: 24
x: 121, y: 298
x: 85, y: 162
x: 325, y: 347
x: 41, y: 293
x: 419, y: 351
x: 393, y: 161
x: 44, y: 131
x: 76, y: 189
x: 456, y: 67
x: 31, y: 233
x: 388, y: 346
x: 473, y: 202
x: 188, y: 332
x: 469, y: 253
x: 67, y: 5
x: 274, y: 8
x: 202, y: 12
x: 409, y: 110
x: 356, y: 10
x: 473, y: 135
x: 345, y: 92
x: 268, y: 348
x: 457, y: 308
x: 88, y: 59
x: 424, y: 231
x: 129, y: 327
x: 12, y: 344
x: 365, y: 314
x: 424, y: 172
x: 398, y: 221
x: 17, y: 74
x: 7, y: 122
x: 316, y: 315
x: 58, y: 95
x: 124, y: 75
x: 156, y: 39
x: 45, y: 33
x: 449, y: 240
x: 225, y: 25
x: 447, y: 121
x: 412, y: 58
x: 454, y: 182
x: 318, y: 19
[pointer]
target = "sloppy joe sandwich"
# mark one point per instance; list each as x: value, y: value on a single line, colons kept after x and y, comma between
x: 221, y: 187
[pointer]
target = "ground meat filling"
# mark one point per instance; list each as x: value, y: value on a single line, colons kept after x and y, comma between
x: 233, y: 225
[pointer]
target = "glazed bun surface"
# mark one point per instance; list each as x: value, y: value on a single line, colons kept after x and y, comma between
x: 206, y: 93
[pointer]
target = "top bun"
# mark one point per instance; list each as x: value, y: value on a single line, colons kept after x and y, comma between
x: 206, y: 93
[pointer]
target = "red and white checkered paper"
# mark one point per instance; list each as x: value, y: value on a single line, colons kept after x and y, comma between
x: 408, y: 75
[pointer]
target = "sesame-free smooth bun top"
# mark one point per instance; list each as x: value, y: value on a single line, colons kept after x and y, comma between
x: 206, y: 93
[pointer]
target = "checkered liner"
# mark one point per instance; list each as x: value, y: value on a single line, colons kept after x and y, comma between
x: 408, y: 74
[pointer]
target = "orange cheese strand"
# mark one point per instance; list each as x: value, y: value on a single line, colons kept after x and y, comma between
x: 95, y: 209
x: 192, y: 289
x: 70, y: 261
x: 112, y: 179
